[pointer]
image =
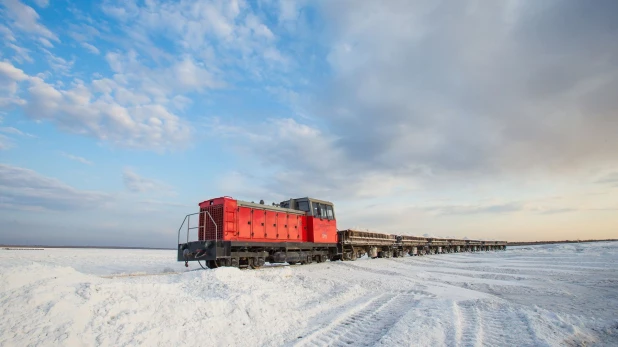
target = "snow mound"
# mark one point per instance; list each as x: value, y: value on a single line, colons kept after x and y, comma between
x: 556, y: 295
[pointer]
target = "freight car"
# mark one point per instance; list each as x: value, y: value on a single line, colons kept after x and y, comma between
x: 304, y: 230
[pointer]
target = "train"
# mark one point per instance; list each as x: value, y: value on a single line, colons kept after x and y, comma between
x: 242, y: 234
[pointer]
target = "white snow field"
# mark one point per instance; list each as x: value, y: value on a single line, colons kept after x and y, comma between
x: 553, y: 295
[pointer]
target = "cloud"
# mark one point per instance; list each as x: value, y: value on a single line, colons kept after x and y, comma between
x: 539, y: 206
x: 7, y: 33
x: 92, y: 49
x: 42, y: 3
x: 5, y: 143
x: 25, y: 189
x: 302, y: 153
x: 184, y: 75
x: 469, y: 89
x: 83, y: 32
x: 88, y: 110
x: 559, y: 210
x: 58, y: 64
x: 422, y: 93
x: 221, y: 33
x: 10, y: 77
x: 212, y: 45
x: 26, y: 19
x: 151, y: 206
x: 610, y: 179
x: 163, y: 203
x: 14, y: 131
x: 137, y: 184
x: 477, y: 209
x: 12, y: 73
x: 21, y: 53
x: 76, y: 158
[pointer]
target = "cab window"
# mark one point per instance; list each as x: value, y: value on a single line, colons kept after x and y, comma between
x: 303, y: 206
x: 316, y: 209
x: 329, y: 212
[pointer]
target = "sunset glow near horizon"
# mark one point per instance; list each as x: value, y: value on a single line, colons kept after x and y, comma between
x: 486, y: 120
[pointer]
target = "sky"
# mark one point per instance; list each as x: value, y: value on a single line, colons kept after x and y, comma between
x: 479, y: 119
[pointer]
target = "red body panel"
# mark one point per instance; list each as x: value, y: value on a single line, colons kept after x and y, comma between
x: 254, y: 224
x: 321, y: 230
x: 244, y: 223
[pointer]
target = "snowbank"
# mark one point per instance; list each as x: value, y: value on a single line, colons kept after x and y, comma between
x: 536, y: 295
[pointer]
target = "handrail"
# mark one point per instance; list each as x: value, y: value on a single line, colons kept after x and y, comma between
x: 188, y: 221
x: 179, y: 229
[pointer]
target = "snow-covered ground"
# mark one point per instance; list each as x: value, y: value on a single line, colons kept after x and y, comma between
x: 553, y: 295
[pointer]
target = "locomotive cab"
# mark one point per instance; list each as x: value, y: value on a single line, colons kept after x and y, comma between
x: 313, y: 207
x: 321, y: 223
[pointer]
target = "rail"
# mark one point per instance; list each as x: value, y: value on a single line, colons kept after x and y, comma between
x: 189, y: 228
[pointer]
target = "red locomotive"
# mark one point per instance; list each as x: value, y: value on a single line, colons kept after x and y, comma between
x: 245, y: 234
x: 239, y: 233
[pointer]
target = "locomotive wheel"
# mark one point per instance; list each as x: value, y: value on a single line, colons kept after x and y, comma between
x: 353, y: 256
x: 254, y: 263
x: 235, y: 262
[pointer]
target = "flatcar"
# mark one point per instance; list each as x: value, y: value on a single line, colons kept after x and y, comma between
x: 243, y: 234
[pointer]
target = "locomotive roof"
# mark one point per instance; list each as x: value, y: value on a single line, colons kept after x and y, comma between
x: 268, y: 207
x: 316, y: 200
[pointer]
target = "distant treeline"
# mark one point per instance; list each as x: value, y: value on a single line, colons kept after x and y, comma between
x: 529, y: 243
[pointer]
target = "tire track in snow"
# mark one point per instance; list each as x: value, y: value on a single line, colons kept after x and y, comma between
x: 367, y: 325
x: 468, y: 272
x: 479, y: 324
x: 372, y: 270
x: 469, y: 326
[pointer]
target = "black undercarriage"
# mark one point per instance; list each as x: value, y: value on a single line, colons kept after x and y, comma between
x: 255, y: 254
